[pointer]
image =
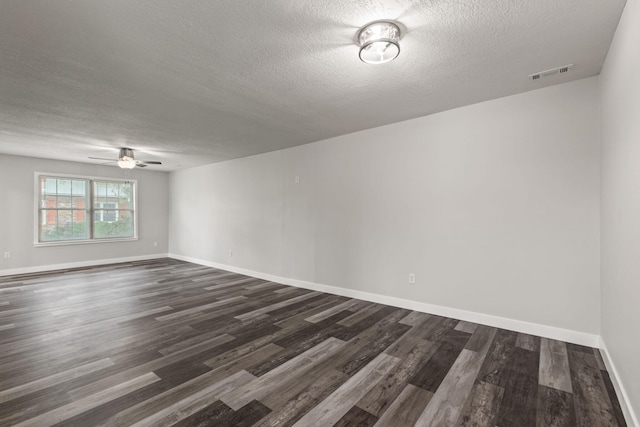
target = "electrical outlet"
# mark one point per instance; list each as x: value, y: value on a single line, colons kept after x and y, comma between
x: 230, y: 253
x: 412, y: 278
x: 296, y: 179
x: 155, y: 244
x: 7, y: 255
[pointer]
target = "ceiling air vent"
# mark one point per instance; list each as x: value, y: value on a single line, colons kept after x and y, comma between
x: 551, y: 72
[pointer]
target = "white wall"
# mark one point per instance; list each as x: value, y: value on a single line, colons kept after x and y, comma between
x: 621, y: 202
x: 494, y: 207
x: 18, y: 209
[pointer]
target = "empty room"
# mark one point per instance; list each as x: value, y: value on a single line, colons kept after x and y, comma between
x: 319, y: 213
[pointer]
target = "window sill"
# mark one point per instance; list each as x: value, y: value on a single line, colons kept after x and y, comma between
x: 83, y: 242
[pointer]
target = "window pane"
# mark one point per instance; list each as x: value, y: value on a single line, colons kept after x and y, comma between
x: 49, y: 185
x: 48, y: 191
x: 78, y: 194
x: 112, y: 190
x: 100, y: 189
x: 49, y: 201
x: 109, y: 216
x: 80, y: 225
x: 78, y: 188
x: 62, y: 193
x: 65, y: 225
x: 64, y: 186
x: 62, y: 225
x: 126, y: 196
x: 111, y: 223
x: 64, y: 201
x: 48, y: 228
x: 78, y: 202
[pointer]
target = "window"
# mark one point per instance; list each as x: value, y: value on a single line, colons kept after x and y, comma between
x: 113, y: 209
x: 81, y: 209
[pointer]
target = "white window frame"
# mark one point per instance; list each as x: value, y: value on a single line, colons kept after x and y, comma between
x: 90, y: 211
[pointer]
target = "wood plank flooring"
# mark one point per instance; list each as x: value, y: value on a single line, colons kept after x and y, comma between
x: 165, y: 342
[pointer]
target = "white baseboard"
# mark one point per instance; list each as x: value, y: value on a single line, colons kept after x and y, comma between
x: 53, y: 267
x: 567, y: 335
x: 625, y: 402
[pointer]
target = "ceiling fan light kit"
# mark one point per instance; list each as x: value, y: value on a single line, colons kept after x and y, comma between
x: 379, y: 42
x: 127, y: 163
x: 125, y: 159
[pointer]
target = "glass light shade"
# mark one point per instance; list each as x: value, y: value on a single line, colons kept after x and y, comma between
x: 379, y: 42
x: 127, y: 163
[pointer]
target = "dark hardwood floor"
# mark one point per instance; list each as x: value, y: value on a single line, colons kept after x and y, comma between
x: 166, y: 342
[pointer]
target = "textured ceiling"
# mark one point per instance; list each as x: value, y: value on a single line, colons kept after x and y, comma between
x: 191, y: 82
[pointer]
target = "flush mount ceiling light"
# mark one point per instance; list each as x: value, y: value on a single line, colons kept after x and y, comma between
x: 379, y: 42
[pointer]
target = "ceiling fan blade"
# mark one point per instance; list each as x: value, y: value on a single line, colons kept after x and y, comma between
x: 101, y: 158
x: 150, y: 162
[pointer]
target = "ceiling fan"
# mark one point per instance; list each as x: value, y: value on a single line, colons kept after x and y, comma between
x: 126, y: 160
